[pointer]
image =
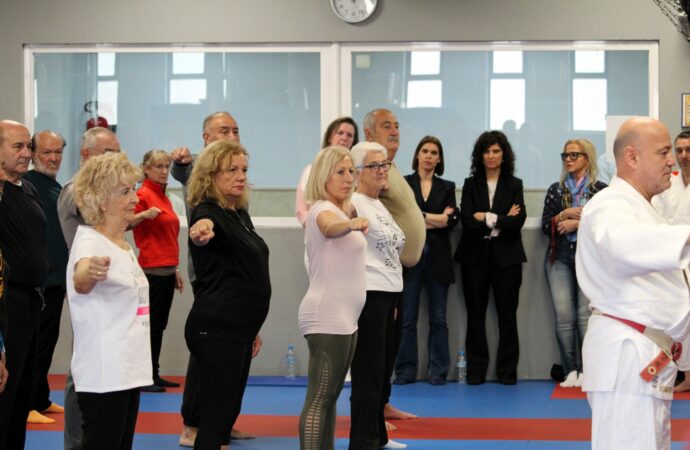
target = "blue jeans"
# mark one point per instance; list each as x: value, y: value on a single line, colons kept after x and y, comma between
x: 571, y: 307
x: 439, y: 355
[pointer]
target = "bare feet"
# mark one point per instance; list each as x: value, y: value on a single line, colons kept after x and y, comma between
x: 237, y: 434
x: 54, y: 408
x: 684, y: 386
x: 390, y: 426
x: 188, y: 436
x: 390, y: 412
x: 36, y: 417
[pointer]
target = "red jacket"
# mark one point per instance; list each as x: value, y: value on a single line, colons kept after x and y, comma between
x: 156, y: 238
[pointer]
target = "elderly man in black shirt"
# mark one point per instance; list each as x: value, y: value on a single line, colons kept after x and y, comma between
x: 24, y: 247
x: 46, y: 153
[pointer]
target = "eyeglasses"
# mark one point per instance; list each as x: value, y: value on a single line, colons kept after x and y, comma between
x: 572, y: 156
x: 386, y: 166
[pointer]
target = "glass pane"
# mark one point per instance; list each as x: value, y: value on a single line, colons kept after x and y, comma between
x: 534, y: 111
x: 187, y: 63
x: 507, y: 103
x: 425, y: 63
x: 187, y: 91
x: 589, y: 62
x: 589, y: 104
x: 508, y: 62
x: 106, y: 64
x: 274, y: 96
x: 424, y: 93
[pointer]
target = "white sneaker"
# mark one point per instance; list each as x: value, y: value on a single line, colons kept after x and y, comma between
x: 570, y: 380
x: 579, y: 380
x: 393, y: 444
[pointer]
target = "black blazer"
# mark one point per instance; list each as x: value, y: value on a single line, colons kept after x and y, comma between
x: 442, y: 195
x: 507, y: 248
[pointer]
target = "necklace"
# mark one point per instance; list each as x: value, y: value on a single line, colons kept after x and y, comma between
x: 242, y: 221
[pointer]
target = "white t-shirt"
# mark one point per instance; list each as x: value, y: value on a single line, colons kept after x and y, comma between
x: 385, y: 243
x: 337, y: 291
x: 112, y: 346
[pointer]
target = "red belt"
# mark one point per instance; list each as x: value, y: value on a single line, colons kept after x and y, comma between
x: 668, y: 352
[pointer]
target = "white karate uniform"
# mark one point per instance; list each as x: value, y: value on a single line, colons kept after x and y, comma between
x: 674, y: 203
x: 629, y: 263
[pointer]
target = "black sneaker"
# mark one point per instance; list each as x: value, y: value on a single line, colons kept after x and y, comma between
x: 151, y: 388
x: 162, y: 382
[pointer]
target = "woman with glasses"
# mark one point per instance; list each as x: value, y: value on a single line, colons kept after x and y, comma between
x: 491, y: 254
x: 560, y: 221
x: 436, y: 198
x: 375, y: 352
x: 155, y: 233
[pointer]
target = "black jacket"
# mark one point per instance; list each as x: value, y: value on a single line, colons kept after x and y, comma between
x: 507, y: 249
x: 442, y: 194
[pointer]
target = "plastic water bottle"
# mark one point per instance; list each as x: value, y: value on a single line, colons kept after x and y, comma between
x: 462, y: 367
x: 290, y: 362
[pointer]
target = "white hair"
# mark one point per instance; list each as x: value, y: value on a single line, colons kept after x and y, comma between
x: 361, y: 150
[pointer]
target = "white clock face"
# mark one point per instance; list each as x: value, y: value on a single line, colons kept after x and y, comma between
x: 353, y: 11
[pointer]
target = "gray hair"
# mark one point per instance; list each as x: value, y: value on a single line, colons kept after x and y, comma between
x: 88, y: 139
x: 360, y: 151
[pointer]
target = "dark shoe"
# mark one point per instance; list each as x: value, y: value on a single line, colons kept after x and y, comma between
x: 508, y: 381
x: 437, y: 381
x: 475, y: 381
x: 162, y: 382
x: 402, y: 380
x: 151, y: 388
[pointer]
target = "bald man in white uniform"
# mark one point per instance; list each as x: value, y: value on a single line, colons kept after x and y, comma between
x: 630, y: 264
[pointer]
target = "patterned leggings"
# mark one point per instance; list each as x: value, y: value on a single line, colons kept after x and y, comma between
x: 330, y: 356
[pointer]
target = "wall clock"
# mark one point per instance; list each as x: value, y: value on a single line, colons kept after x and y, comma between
x: 354, y: 11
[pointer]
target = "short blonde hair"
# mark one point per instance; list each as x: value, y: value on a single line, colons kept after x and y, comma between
x: 590, y: 151
x: 97, y: 179
x: 154, y: 155
x: 322, y: 169
x: 214, y: 158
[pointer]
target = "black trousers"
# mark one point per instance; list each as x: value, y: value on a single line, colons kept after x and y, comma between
x: 223, y: 369
x: 161, y: 293
x: 23, y: 317
x: 372, y: 366
x: 48, y: 333
x: 108, y: 419
x: 396, y: 327
x: 505, y: 282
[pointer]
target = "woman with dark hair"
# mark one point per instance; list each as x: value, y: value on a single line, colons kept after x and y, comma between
x: 436, y: 198
x: 560, y: 221
x: 491, y: 254
x: 341, y: 132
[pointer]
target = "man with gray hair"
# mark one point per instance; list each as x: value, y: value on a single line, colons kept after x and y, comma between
x: 95, y: 141
x: 632, y: 266
x: 24, y: 248
x: 46, y: 154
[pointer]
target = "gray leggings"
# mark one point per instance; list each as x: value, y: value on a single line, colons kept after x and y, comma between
x: 330, y: 356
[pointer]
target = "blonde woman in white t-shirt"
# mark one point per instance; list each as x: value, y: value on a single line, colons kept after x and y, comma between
x: 108, y: 300
x: 329, y: 310
x: 375, y: 353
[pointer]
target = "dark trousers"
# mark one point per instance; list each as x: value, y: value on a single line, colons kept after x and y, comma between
x: 505, y: 282
x: 23, y: 317
x: 108, y: 419
x: 48, y: 333
x: 223, y: 368
x: 396, y: 327
x: 371, y: 367
x: 161, y: 293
